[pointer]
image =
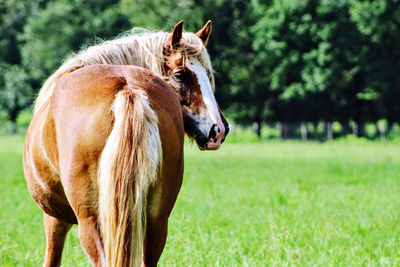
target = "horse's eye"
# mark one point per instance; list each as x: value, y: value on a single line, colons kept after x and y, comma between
x: 179, y: 75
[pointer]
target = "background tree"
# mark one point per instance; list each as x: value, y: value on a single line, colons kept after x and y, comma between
x: 16, y: 92
x: 287, y: 61
x: 64, y: 27
x: 314, y: 56
x: 379, y: 23
x: 15, y: 84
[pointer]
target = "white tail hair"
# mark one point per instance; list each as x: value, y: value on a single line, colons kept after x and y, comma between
x: 128, y: 166
x: 143, y: 50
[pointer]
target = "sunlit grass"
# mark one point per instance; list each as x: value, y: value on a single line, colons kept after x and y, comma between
x: 269, y: 204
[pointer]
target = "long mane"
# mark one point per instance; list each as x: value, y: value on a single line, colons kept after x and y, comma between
x: 138, y: 49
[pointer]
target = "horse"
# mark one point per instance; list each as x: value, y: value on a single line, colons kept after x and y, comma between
x: 104, y: 149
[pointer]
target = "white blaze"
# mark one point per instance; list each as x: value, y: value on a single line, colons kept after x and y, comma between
x: 206, y: 90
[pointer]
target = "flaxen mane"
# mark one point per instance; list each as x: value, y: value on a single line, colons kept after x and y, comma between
x: 143, y: 50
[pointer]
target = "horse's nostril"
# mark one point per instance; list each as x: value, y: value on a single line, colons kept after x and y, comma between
x: 213, y: 132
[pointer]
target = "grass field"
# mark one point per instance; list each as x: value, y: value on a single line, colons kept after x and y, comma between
x: 269, y: 204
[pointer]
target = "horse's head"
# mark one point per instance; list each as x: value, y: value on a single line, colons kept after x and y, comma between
x: 188, y: 70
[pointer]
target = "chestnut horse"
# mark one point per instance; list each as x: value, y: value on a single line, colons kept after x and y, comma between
x: 105, y: 146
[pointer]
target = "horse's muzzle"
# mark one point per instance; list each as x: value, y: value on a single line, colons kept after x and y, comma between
x: 216, y: 136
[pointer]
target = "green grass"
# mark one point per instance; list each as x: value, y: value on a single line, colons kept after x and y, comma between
x: 268, y: 204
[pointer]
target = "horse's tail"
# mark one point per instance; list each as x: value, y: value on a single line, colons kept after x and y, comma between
x: 129, y: 165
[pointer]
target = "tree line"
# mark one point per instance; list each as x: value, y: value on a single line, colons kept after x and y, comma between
x: 287, y: 61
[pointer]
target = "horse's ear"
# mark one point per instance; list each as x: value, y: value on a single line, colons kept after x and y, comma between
x: 205, y: 32
x: 176, y: 35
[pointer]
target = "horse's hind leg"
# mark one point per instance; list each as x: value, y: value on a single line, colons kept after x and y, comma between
x: 56, y: 231
x: 91, y: 243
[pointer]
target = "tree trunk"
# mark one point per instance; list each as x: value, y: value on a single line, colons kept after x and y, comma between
x: 361, y: 129
x: 288, y: 130
x: 315, y: 130
x: 390, y: 126
x: 13, y: 128
x: 380, y: 128
x: 284, y: 130
x: 303, y: 129
x: 279, y: 129
x: 257, y: 128
x: 355, y: 128
x: 346, y: 128
x: 13, y: 115
x: 329, y: 131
